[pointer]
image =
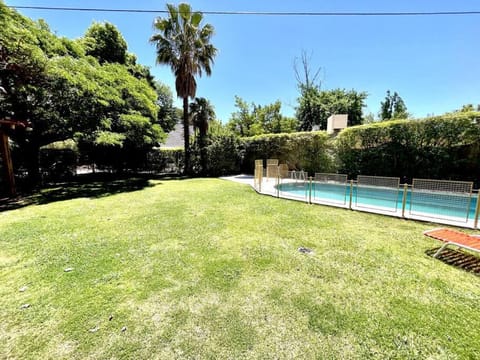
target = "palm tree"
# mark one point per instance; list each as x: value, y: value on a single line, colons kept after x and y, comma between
x: 201, y: 112
x: 184, y: 44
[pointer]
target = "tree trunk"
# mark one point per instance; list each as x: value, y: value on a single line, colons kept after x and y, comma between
x: 186, y: 137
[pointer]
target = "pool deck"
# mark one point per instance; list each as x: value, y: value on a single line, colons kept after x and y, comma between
x: 242, y: 179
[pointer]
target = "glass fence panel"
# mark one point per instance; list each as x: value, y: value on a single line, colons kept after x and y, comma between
x: 441, y: 199
x: 331, y: 189
x: 295, y: 185
x: 378, y: 192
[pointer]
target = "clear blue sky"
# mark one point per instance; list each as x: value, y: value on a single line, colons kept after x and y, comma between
x: 431, y: 61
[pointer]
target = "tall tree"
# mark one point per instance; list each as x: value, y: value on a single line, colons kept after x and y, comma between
x: 63, y: 94
x: 167, y: 113
x: 393, y: 107
x: 315, y: 107
x: 469, y: 108
x: 309, y: 86
x: 201, y: 113
x: 183, y: 43
x: 252, y: 119
x: 104, y: 42
x: 242, y: 121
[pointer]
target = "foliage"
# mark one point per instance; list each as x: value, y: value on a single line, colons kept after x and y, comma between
x: 252, y: 119
x: 315, y: 106
x: 469, y: 108
x: 224, y: 155
x: 309, y: 151
x: 167, y: 113
x: 66, y: 94
x: 308, y: 111
x: 165, y: 160
x: 58, y: 164
x: 201, y: 113
x: 309, y: 86
x: 216, y: 127
x: 104, y: 42
x: 393, y: 107
x: 442, y: 147
x: 184, y: 44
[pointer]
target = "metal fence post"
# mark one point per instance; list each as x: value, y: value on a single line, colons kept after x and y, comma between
x: 310, y: 191
x: 404, y: 199
x: 477, y: 211
x: 351, y: 195
x: 278, y: 185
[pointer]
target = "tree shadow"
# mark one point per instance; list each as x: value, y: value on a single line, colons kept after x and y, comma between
x: 88, y: 186
x: 458, y: 258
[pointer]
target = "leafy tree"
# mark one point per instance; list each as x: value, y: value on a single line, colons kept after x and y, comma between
x: 307, y: 112
x: 140, y: 71
x: 469, y: 108
x: 316, y: 106
x: 201, y: 113
x: 369, y: 118
x: 272, y: 121
x: 252, y: 119
x: 184, y: 44
x: 393, y: 107
x: 217, y: 128
x: 243, y: 120
x: 63, y: 94
x: 167, y: 113
x: 104, y: 42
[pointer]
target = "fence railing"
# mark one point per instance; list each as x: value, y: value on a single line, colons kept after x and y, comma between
x: 448, y: 202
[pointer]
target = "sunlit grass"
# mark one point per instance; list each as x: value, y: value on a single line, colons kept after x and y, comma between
x: 210, y: 269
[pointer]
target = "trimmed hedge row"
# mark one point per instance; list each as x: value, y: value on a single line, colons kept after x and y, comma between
x: 441, y: 147
x: 308, y: 151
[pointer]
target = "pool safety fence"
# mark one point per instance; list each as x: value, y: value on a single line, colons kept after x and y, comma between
x: 377, y: 191
x: 450, y: 197
x: 447, y: 202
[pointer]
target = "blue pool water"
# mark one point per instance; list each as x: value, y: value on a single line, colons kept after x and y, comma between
x: 433, y: 204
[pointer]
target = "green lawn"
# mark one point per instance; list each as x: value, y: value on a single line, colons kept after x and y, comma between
x: 208, y: 269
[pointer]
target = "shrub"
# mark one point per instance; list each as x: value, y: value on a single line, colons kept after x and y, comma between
x: 165, y: 160
x: 58, y: 160
x: 224, y: 155
x: 309, y: 151
x: 442, y: 147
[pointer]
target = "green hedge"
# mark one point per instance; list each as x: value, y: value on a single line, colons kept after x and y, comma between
x: 165, y: 160
x: 441, y: 147
x: 224, y: 155
x: 309, y: 151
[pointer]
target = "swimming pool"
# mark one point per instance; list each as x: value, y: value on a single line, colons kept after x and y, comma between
x: 429, y: 204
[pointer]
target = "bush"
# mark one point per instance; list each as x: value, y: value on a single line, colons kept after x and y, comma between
x: 224, y: 155
x: 442, y: 147
x: 309, y: 151
x: 165, y: 160
x: 58, y: 160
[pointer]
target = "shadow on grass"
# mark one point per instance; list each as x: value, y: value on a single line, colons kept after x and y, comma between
x: 88, y: 185
x: 459, y: 259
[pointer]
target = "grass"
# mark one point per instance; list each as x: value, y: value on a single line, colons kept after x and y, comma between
x: 209, y: 269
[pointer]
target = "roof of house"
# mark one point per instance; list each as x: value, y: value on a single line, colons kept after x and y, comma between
x: 175, y: 137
